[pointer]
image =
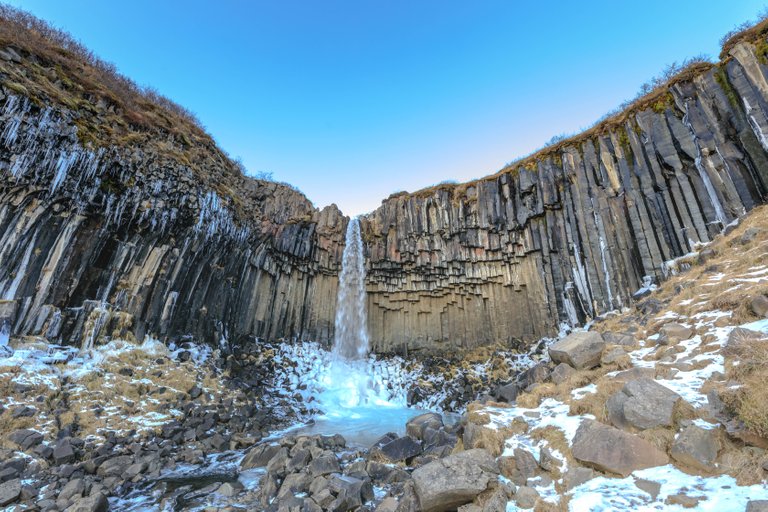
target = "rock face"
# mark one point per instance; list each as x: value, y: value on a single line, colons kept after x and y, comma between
x: 609, y: 449
x: 97, y: 242
x: 102, y: 240
x: 455, y: 480
x: 572, y: 231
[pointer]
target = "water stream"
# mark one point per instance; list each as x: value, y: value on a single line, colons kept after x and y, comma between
x: 353, y: 401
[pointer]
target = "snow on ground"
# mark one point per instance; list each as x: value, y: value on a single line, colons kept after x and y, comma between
x: 102, y: 394
x: 718, y: 493
x: 694, y: 367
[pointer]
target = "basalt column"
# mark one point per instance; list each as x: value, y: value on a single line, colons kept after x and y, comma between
x: 576, y: 229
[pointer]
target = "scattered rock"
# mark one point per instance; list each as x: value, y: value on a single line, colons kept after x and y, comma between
x: 576, y: 476
x: 526, y: 497
x: 643, y: 404
x: 610, y: 449
x: 697, y: 448
x: 673, y: 333
x: 561, y: 373
x: 684, y: 500
x: 759, y: 306
x: 9, y: 491
x: 455, y: 480
x: 582, y: 350
x: 649, y: 486
x: 418, y: 424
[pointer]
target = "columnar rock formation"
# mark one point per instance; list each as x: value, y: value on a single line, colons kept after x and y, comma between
x: 107, y: 241
x: 107, y: 229
x: 576, y: 229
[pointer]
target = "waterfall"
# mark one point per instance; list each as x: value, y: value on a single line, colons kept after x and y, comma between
x: 351, y: 335
x: 347, y: 379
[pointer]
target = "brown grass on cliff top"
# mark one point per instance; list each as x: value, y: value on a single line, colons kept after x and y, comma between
x: 110, y: 109
x: 73, y: 70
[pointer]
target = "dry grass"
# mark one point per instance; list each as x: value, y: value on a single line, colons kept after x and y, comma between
x: 111, y: 110
x: 594, y: 403
x: 748, y: 401
x: 660, y: 437
x: 744, y: 463
x: 556, y: 440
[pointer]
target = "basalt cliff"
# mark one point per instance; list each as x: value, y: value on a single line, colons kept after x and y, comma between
x: 153, y: 232
x: 108, y: 229
x: 575, y: 230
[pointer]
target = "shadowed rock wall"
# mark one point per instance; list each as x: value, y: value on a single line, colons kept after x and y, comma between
x: 102, y: 242
x: 573, y: 231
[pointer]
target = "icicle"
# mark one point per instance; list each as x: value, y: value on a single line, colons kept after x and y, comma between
x: 711, y: 192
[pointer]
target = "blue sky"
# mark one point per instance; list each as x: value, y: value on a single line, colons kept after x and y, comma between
x: 353, y: 100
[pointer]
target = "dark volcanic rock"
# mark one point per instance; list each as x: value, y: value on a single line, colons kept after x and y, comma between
x: 455, y: 480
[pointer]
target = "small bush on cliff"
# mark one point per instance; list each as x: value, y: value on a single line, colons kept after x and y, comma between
x: 750, y: 30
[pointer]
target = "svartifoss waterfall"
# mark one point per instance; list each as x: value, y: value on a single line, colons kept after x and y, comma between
x: 360, y: 397
x: 351, y: 333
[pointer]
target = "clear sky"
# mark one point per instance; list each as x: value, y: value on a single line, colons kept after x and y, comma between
x: 353, y: 100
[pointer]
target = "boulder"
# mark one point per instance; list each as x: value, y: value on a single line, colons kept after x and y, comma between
x: 612, y: 450
x: 697, y: 448
x: 526, y: 497
x: 448, y: 483
x: 324, y: 465
x: 485, y: 436
x: 620, y: 338
x: 259, y: 456
x: 9, y: 491
x: 401, y: 449
x: 576, y: 476
x: 642, y: 403
x: 73, y: 488
x: 114, y: 466
x: 356, y: 491
x: 757, y: 506
x: 388, y: 504
x: 418, y: 424
x: 96, y: 503
x: 673, y: 333
x: 63, y: 453
x: 759, y: 306
x: 581, y: 350
x: 561, y: 373
x: 25, y: 438
x: 230, y: 489
x: 506, y: 392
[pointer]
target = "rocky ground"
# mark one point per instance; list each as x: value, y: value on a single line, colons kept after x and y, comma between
x: 661, y: 406
x: 145, y: 426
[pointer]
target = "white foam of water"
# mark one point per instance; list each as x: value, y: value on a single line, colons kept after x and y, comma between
x: 351, y: 333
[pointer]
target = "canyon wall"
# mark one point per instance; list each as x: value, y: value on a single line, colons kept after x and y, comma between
x: 575, y: 230
x: 97, y: 242
x: 151, y: 233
